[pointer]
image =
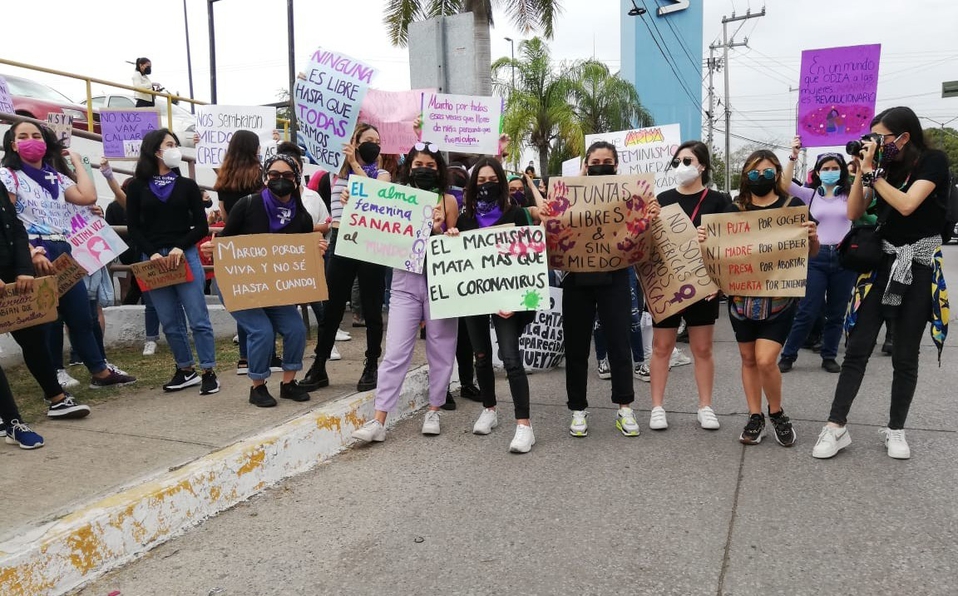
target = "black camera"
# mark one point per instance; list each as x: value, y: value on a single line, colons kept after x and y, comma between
x: 855, y: 147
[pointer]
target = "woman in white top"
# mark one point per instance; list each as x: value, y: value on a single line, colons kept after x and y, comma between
x: 141, y: 80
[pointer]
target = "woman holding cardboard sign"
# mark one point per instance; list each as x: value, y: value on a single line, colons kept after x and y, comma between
x: 761, y: 324
x: 166, y: 219
x: 277, y: 209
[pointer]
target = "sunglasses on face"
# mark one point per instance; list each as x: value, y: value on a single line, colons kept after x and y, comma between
x: 275, y: 175
x: 430, y: 147
x: 685, y: 161
x: 767, y: 173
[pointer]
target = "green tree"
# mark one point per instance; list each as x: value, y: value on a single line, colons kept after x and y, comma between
x: 945, y: 139
x: 538, y: 110
x: 605, y: 102
x: 526, y: 15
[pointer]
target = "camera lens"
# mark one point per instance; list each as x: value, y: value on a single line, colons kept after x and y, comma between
x: 853, y: 147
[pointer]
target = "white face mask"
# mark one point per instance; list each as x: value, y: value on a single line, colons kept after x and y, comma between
x: 172, y: 157
x: 687, y: 174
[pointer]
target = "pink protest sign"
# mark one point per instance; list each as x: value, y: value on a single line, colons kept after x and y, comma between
x: 393, y: 113
x: 837, y: 94
x: 94, y: 243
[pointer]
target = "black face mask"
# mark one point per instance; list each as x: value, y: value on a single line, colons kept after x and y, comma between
x: 761, y: 187
x: 281, y: 187
x: 424, y: 178
x: 602, y: 170
x: 486, y: 192
x: 368, y: 152
x: 148, y: 70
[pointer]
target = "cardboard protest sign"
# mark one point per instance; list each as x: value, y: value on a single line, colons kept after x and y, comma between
x: 94, y: 243
x: 327, y: 104
x: 18, y: 311
x: 645, y: 151
x: 62, y: 127
x: 386, y: 223
x: 69, y: 273
x: 6, y: 100
x: 542, y: 343
x: 150, y: 276
x: 260, y: 270
x: 758, y: 253
x: 674, y: 276
x: 598, y: 223
x: 485, y: 271
x: 462, y: 123
x: 837, y: 94
x: 216, y: 124
x: 123, y: 130
x: 394, y: 113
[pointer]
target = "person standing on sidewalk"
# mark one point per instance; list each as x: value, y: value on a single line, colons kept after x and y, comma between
x: 761, y: 324
x: 141, y: 80
x: 829, y: 284
x: 166, y: 219
x: 424, y: 169
x: 908, y: 286
x: 363, y: 160
x: 693, y: 170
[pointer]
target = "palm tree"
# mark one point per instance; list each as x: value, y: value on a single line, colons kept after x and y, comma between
x: 538, y: 110
x: 605, y: 102
x: 526, y: 15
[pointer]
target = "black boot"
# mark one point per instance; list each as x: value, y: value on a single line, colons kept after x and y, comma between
x: 316, y: 377
x: 370, y: 377
x: 470, y: 392
x: 450, y: 402
x: 293, y: 391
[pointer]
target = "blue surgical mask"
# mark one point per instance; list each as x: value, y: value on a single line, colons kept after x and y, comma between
x: 830, y: 177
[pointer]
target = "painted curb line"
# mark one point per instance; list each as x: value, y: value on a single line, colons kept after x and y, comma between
x: 114, y: 530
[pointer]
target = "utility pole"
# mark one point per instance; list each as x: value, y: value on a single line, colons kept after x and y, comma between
x: 726, y: 44
x: 712, y: 66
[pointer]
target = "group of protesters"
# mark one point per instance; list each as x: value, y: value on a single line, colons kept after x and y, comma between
x: 896, y: 179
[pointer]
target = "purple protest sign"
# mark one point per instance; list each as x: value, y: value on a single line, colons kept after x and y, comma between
x: 837, y: 94
x: 123, y: 130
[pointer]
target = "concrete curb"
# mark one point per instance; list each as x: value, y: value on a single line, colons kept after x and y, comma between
x: 112, y: 531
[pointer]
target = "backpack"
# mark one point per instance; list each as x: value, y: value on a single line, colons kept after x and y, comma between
x: 950, y: 203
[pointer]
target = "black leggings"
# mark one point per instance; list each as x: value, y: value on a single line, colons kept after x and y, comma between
x: 507, y: 334
x: 36, y: 355
x: 464, y: 354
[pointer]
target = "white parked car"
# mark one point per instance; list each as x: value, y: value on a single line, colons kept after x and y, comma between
x: 184, y: 123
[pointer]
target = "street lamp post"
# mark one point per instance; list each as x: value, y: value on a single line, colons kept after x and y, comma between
x: 189, y: 58
x: 512, y: 52
x: 209, y: 16
x: 292, y: 72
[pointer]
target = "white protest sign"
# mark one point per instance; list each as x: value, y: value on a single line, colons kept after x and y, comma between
x: 94, y: 243
x: 62, y: 127
x: 462, y: 123
x: 572, y: 167
x: 542, y: 344
x: 216, y: 124
x: 6, y: 100
x: 645, y: 151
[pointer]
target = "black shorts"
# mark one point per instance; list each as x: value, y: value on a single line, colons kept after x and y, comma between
x: 775, y: 329
x: 700, y: 314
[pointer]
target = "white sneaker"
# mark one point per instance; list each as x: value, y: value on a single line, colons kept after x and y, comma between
x: 371, y: 432
x: 334, y: 354
x: 342, y: 335
x: 707, y: 418
x: 641, y: 372
x: 896, y: 444
x: 65, y: 380
x: 831, y: 441
x: 580, y: 423
x: 524, y: 439
x: 488, y: 420
x: 658, y: 421
x: 603, y: 369
x: 117, y: 370
x: 678, y: 358
x: 430, y: 424
x: 149, y: 348
x: 626, y: 423
x: 236, y: 339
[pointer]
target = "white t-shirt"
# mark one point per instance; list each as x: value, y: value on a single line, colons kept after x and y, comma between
x: 315, y: 206
x: 36, y: 208
x: 142, y: 81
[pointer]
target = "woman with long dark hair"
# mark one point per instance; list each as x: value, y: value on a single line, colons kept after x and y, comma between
x: 141, y: 80
x: 908, y: 286
x: 166, y: 219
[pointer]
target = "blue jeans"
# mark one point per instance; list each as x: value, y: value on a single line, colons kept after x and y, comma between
x: 171, y: 301
x: 151, y: 321
x: 635, y: 334
x: 261, y: 326
x: 829, y: 289
x: 56, y: 341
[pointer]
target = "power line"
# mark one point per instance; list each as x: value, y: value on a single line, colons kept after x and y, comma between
x: 696, y: 102
x: 695, y: 63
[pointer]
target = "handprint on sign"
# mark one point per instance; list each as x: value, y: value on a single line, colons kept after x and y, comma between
x: 558, y: 203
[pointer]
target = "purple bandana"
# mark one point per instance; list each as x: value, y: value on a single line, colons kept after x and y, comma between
x: 278, y: 213
x: 487, y: 213
x: 372, y: 170
x: 162, y: 186
x: 46, y: 177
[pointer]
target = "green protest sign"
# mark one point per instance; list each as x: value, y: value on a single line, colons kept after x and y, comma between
x: 386, y: 224
x: 486, y: 271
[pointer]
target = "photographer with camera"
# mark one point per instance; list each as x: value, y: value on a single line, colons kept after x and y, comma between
x: 907, y: 284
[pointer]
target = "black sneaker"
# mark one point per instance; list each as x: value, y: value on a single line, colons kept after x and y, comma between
x: 114, y: 378
x: 370, y: 377
x: 209, y: 384
x: 470, y: 392
x: 784, y: 433
x: 68, y: 409
x: 316, y: 376
x: 293, y: 391
x: 887, y: 346
x: 276, y: 364
x: 182, y: 379
x: 450, y: 404
x: 683, y: 337
x: 260, y: 397
x: 785, y: 365
x: 754, y: 431
x: 831, y: 365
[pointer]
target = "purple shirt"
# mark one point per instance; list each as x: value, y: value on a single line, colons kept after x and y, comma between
x: 831, y: 213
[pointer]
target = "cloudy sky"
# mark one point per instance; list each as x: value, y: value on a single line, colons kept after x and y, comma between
x: 918, y: 37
